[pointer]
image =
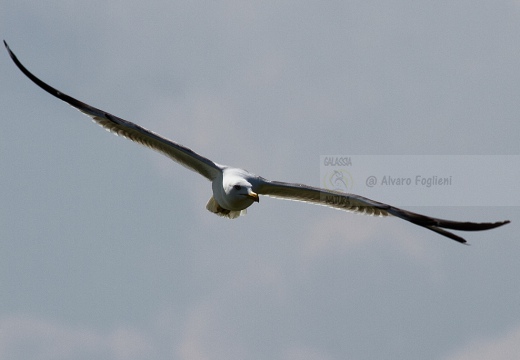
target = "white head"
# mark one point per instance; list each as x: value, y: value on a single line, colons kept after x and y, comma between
x: 233, y: 191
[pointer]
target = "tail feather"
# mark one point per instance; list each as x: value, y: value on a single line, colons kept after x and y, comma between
x: 215, y: 208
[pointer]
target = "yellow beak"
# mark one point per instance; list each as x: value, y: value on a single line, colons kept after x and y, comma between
x: 254, y: 196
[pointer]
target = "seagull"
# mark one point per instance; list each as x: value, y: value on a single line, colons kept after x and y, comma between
x: 234, y: 189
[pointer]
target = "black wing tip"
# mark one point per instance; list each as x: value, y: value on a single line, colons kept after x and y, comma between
x: 448, y: 234
x: 488, y: 226
x: 11, y: 53
x: 54, y: 92
x: 19, y: 64
x: 8, y: 49
x: 500, y: 223
x: 483, y: 226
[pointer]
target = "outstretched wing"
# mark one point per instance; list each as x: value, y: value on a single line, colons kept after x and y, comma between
x: 360, y: 204
x: 118, y: 126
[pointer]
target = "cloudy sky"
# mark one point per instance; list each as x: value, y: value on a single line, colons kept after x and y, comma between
x: 107, y: 250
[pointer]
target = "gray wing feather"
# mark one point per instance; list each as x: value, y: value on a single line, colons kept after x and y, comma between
x: 175, y: 151
x: 359, y: 204
x: 333, y: 199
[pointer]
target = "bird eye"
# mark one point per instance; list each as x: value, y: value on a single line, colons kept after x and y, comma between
x: 237, y: 187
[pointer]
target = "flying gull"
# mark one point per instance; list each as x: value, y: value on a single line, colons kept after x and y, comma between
x: 234, y: 189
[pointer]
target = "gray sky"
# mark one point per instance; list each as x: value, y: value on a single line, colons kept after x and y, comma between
x: 107, y: 250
